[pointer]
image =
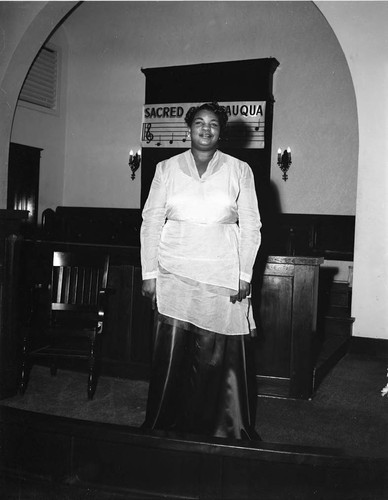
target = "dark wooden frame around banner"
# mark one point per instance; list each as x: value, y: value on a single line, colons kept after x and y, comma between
x: 249, y: 80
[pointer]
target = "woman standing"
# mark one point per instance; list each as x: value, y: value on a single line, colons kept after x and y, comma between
x: 199, y: 240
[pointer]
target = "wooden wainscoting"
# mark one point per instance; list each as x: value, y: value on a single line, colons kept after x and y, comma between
x: 284, y: 297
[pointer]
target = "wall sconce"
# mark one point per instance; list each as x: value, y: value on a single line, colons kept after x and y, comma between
x: 284, y: 161
x: 134, y: 162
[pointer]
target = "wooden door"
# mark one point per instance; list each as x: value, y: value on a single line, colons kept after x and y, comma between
x: 23, y: 182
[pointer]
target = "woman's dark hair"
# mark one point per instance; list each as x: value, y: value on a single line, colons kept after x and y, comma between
x: 218, y: 110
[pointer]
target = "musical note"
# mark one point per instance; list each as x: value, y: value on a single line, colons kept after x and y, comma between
x: 258, y: 127
x: 148, y: 135
x: 159, y: 143
x: 172, y: 138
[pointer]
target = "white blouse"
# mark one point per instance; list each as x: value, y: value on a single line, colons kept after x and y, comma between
x: 206, y: 229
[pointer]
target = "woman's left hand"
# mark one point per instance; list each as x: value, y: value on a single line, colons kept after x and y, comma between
x: 244, y: 291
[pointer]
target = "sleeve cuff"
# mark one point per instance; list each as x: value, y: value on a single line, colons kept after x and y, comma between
x: 246, y: 277
x: 150, y: 276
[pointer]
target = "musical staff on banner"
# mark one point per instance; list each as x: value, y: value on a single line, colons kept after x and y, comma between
x: 165, y: 127
x: 164, y: 134
x: 168, y: 134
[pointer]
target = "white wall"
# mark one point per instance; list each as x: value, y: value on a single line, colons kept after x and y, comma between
x: 362, y: 31
x: 315, y: 109
x: 47, y: 130
x: 24, y: 26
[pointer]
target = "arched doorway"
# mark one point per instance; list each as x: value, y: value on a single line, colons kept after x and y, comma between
x: 26, y: 40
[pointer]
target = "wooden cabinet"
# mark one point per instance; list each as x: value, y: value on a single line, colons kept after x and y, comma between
x: 286, y: 298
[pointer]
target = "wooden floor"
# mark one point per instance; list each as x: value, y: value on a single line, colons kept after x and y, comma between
x: 339, y: 416
x: 116, y: 458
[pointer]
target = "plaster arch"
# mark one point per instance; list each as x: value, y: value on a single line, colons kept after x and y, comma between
x: 40, y: 20
x: 34, y: 25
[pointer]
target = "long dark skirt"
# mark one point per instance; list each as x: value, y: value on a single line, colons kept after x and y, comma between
x: 201, y: 383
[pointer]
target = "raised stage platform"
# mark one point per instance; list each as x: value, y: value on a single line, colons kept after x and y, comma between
x: 332, y: 447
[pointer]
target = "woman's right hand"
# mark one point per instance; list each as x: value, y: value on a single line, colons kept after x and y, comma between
x: 148, y: 289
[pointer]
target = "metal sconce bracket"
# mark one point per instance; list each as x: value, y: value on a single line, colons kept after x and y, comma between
x: 284, y: 161
x: 134, y: 162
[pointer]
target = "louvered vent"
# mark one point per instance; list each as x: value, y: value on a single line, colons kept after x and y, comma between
x: 40, y: 85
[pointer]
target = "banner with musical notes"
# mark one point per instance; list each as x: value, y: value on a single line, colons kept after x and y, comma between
x: 164, y: 125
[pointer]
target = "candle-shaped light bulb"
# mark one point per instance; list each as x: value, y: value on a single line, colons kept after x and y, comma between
x: 289, y: 153
x: 139, y: 153
x: 279, y: 155
x: 130, y: 155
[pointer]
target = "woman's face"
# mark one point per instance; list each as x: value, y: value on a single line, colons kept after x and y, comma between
x: 205, y: 131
